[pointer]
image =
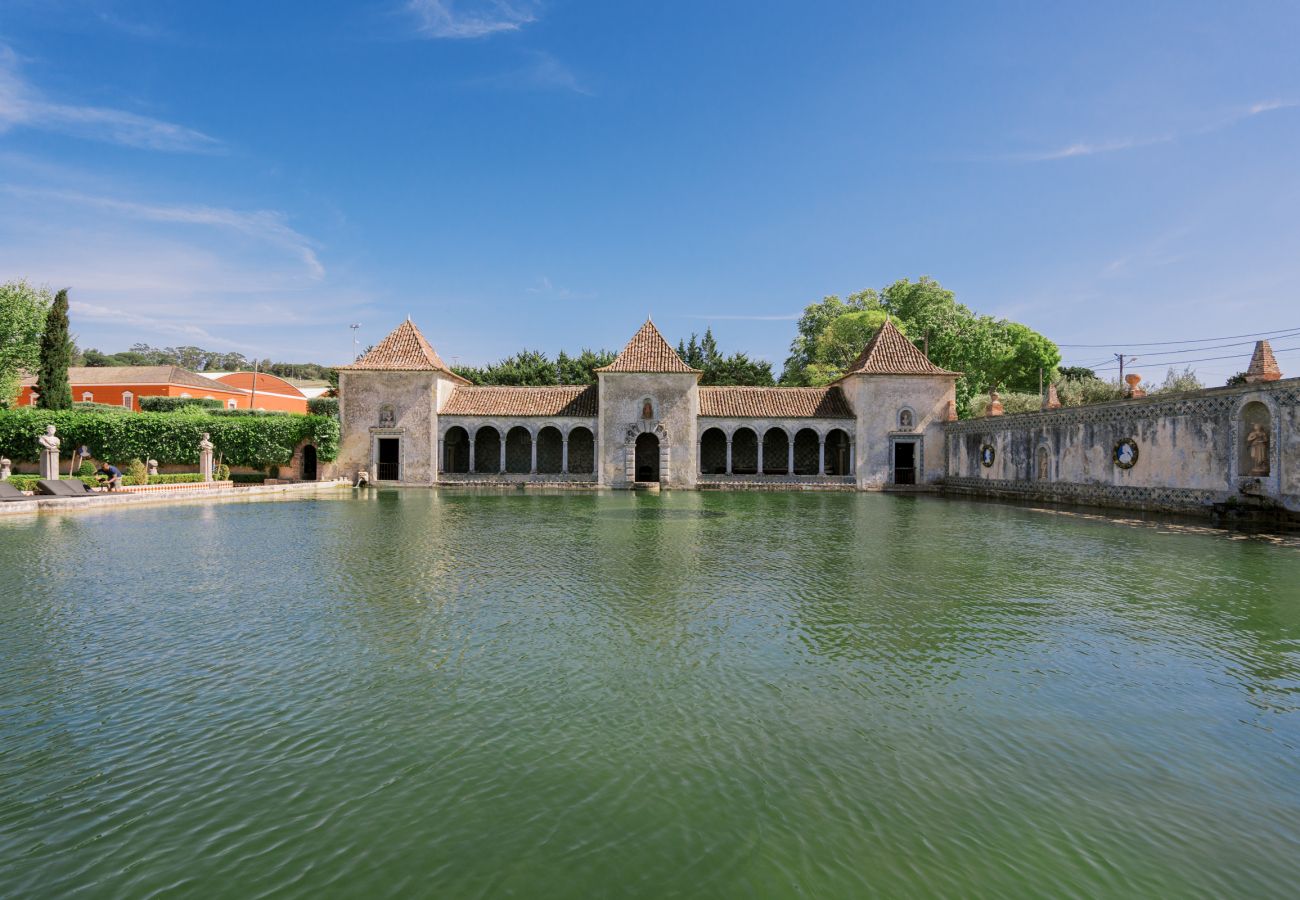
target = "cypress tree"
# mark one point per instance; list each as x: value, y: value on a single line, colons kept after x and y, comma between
x: 56, y: 355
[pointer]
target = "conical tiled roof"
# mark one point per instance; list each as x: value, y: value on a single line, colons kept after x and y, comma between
x: 1263, y: 365
x: 648, y: 352
x: 891, y: 353
x: 404, y: 350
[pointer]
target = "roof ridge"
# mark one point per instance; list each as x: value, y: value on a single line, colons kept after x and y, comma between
x: 404, y: 349
x: 648, y: 351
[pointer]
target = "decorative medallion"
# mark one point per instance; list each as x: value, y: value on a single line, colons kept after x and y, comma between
x: 387, y: 418
x: 987, y: 455
x: 1125, y: 453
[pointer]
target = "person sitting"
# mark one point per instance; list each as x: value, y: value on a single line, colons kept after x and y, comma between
x: 110, y: 476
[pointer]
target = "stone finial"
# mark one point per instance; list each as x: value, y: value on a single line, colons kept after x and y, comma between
x: 1052, y: 400
x: 1133, y: 379
x: 950, y: 413
x: 1263, y: 365
x: 995, y: 403
x: 6, y: 468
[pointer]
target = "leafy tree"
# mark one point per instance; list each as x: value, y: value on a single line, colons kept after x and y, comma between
x: 528, y: 367
x: 56, y: 354
x: 581, y: 369
x: 814, y: 321
x: 1177, y: 382
x: 1075, y: 372
x: 1236, y: 380
x: 22, y: 316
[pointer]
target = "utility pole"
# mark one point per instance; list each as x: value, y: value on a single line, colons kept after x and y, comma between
x: 354, y: 328
x: 1122, y: 358
x: 253, y: 396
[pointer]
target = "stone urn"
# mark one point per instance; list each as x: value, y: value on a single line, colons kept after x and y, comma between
x: 995, y: 403
x: 1133, y: 380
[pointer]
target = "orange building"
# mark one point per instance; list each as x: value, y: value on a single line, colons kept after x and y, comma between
x: 125, y: 385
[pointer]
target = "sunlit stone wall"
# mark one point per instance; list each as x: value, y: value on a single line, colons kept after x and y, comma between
x: 1192, y: 451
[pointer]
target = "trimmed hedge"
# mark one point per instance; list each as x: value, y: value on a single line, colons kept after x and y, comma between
x: 251, y: 413
x: 323, y: 406
x: 248, y: 477
x: 171, y: 404
x: 170, y: 438
x: 28, y: 482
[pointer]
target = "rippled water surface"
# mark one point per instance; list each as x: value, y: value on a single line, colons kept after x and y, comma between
x: 456, y: 694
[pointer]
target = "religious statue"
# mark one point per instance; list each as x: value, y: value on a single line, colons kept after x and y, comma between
x: 1257, y: 443
x: 905, y: 419
x: 386, y: 417
x: 49, y: 453
x: 647, y: 410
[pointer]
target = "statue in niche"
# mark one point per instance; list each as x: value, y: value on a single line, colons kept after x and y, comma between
x: 386, y: 417
x: 905, y: 419
x: 1257, y: 444
x: 647, y: 409
x: 1044, y: 463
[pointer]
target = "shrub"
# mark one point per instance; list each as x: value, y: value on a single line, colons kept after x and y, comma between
x: 136, y: 472
x: 170, y: 438
x: 246, y: 477
x: 100, y: 407
x: 1082, y: 391
x: 323, y: 406
x: 86, y: 470
x: 28, y: 482
x: 222, y: 473
x: 250, y: 413
x: 1012, y: 402
x: 177, y: 478
x: 171, y: 404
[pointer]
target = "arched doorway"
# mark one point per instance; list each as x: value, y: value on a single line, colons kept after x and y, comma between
x: 647, y: 457
x: 582, y: 451
x: 744, y: 452
x: 487, y: 450
x: 456, y: 450
x: 713, y: 452
x: 837, y: 452
x: 309, y: 462
x: 550, y: 450
x: 776, y: 452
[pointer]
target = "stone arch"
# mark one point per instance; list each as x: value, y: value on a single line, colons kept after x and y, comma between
x: 519, y: 450
x: 550, y: 450
x: 713, y: 451
x: 744, y: 451
x: 776, y: 451
x: 1255, y: 440
x: 1043, y: 463
x: 582, y: 451
x: 455, y: 450
x: 487, y: 449
x: 838, y: 452
x: 647, y: 457
x: 806, y: 444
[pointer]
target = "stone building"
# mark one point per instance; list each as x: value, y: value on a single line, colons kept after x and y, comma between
x: 407, y: 418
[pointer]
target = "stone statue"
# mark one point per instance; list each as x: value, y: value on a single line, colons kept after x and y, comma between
x: 905, y: 420
x: 1257, y: 443
x: 152, y: 466
x: 49, y: 453
x: 995, y: 403
x: 205, y: 457
x: 386, y: 417
x: 647, y: 410
x: 6, y: 468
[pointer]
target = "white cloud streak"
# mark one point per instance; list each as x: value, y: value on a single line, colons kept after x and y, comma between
x: 1094, y: 148
x: 22, y: 105
x: 444, y: 18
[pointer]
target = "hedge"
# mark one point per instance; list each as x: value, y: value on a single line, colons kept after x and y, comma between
x: 170, y: 438
x: 171, y: 404
x: 323, y: 406
x: 28, y: 482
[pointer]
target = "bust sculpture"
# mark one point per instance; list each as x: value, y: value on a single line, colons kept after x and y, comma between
x: 48, y: 441
x: 1257, y: 444
x: 206, y: 442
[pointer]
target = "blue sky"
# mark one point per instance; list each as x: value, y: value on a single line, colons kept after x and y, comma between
x: 510, y: 173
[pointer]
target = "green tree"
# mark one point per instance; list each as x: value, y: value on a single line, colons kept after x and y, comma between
x: 737, y: 369
x: 1177, y: 382
x: 841, y: 343
x: 22, y: 316
x: 814, y: 321
x: 581, y: 369
x: 1075, y: 372
x: 56, y: 354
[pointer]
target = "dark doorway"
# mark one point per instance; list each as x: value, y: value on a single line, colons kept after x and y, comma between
x: 309, y: 463
x: 905, y: 462
x: 647, y: 457
x: 389, y: 459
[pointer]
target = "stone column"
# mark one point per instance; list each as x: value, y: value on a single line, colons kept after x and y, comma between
x: 853, y: 454
x: 49, y: 453
x: 760, y: 455
x: 532, y: 465
x: 471, y: 453
x: 564, y: 455
x: 442, y: 456
x: 728, y: 456
x: 821, y: 454
x: 789, y: 465
x: 502, y: 468
x: 205, y: 457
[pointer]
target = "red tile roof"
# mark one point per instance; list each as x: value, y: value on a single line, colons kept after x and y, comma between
x: 404, y: 350
x: 127, y: 375
x: 774, y: 402
x: 648, y: 352
x: 891, y: 353
x: 563, y: 400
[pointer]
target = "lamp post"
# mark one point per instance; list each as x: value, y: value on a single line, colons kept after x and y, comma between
x: 354, y: 328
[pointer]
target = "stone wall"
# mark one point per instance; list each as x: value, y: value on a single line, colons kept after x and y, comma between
x: 376, y: 404
x: 675, y: 402
x: 1192, y: 451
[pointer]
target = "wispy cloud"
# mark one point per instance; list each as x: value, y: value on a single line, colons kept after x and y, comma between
x: 263, y: 225
x: 543, y: 287
x: 1093, y: 148
x: 476, y: 19
x: 22, y: 105
x: 543, y: 72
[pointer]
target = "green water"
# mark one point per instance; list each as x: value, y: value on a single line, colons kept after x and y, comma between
x: 715, y: 695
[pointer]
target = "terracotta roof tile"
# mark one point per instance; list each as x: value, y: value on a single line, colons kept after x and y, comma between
x: 563, y: 400
x: 127, y: 375
x: 406, y: 350
x: 774, y: 402
x: 648, y: 352
x: 891, y: 353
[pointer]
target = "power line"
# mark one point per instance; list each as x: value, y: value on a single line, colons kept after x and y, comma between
x: 1201, y: 349
x: 1204, y: 359
x: 1221, y: 337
